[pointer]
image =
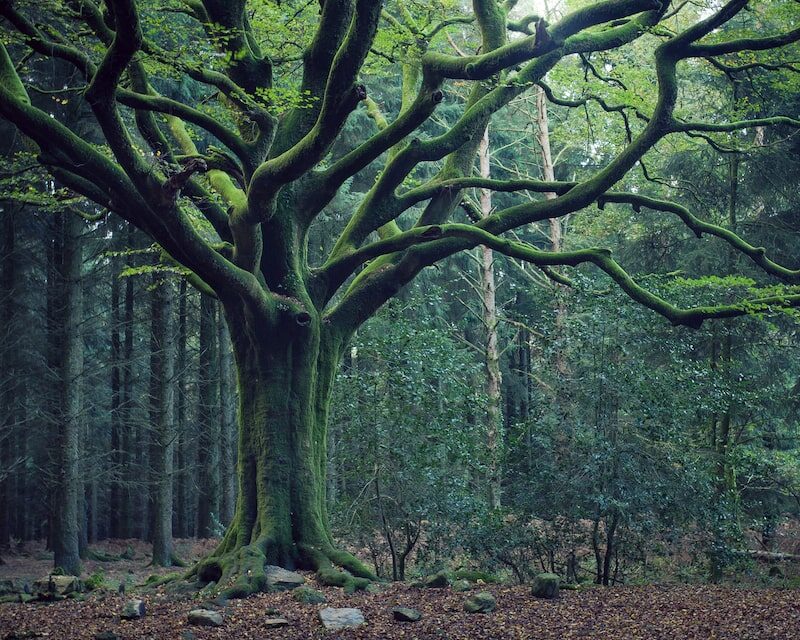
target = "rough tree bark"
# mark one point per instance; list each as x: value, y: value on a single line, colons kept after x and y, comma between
x: 117, y: 435
x: 68, y: 483
x: 227, y: 426
x: 127, y: 441
x: 162, y: 370
x: 182, y: 519
x: 8, y: 277
x: 208, y: 451
x: 286, y: 369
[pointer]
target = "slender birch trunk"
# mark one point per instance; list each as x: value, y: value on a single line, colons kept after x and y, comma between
x: 494, y: 418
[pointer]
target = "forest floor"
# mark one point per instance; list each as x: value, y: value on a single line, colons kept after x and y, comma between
x: 654, y: 612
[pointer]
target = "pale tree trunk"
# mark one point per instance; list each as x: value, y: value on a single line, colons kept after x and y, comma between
x: 556, y: 230
x: 162, y: 370
x: 65, y: 543
x: 494, y: 418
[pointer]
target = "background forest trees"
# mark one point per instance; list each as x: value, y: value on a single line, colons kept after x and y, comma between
x: 118, y: 378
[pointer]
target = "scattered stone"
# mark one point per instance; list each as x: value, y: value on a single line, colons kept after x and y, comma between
x: 57, y: 585
x: 775, y: 572
x: 482, y: 602
x: 7, y: 587
x: 133, y: 610
x: 209, y: 588
x: 336, y: 619
x: 461, y: 586
x: 275, y: 623
x: 279, y: 579
x: 545, y: 585
x: 404, y: 614
x: 307, y: 595
x: 188, y: 635
x: 106, y: 635
x: 183, y: 588
x: 214, y: 604
x: 205, y: 618
x: 272, y: 611
x: 438, y: 581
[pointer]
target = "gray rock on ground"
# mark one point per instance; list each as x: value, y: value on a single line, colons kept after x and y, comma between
x: 406, y: 614
x: 279, y: 579
x: 345, y: 618
x: 460, y: 586
x: 545, y: 585
x: 307, y: 595
x: 482, y: 602
x: 437, y: 581
x: 133, y: 610
x: 57, y: 585
x: 275, y: 623
x: 205, y: 618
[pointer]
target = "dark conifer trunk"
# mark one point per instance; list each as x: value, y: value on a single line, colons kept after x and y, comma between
x: 181, y: 519
x: 8, y: 378
x: 116, y: 501
x: 162, y: 370
x: 227, y: 426
x: 208, y: 459
x: 68, y: 483
x: 128, y: 456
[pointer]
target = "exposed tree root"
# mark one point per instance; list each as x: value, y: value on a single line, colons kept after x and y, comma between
x: 174, y: 561
x: 101, y: 556
x: 354, y: 575
x: 158, y: 581
x: 240, y: 572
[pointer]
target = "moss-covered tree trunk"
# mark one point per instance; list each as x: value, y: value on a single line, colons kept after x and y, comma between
x: 285, y: 372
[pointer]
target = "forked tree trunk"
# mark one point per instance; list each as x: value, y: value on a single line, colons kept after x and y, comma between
x: 285, y: 373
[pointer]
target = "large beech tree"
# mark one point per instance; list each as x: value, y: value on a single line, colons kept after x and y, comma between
x: 237, y: 216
